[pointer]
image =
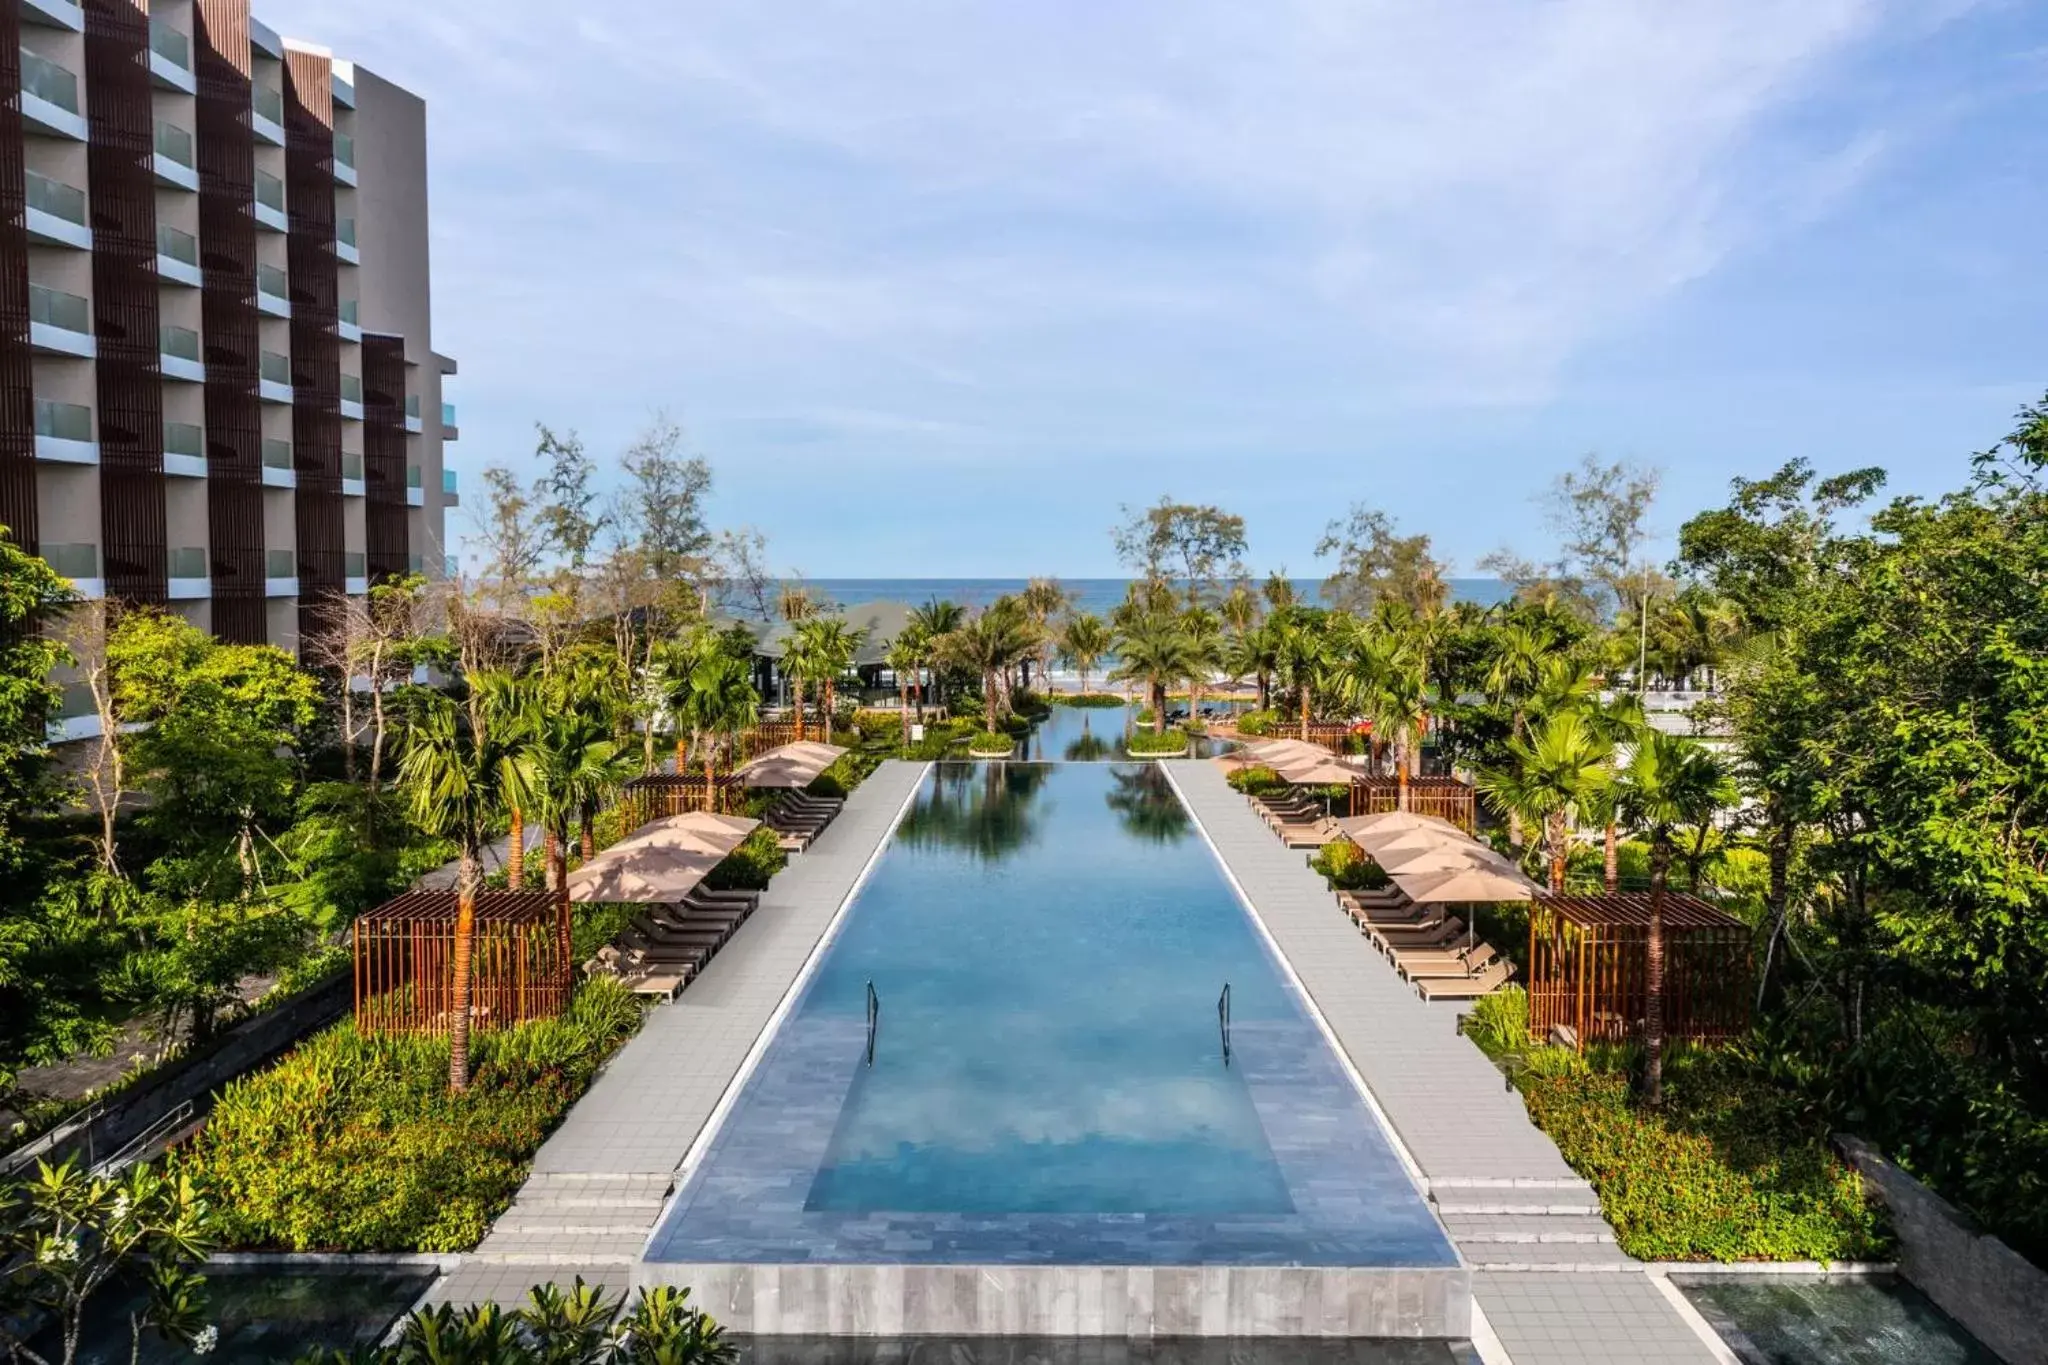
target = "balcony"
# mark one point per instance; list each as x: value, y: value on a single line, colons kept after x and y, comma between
x: 344, y: 159
x: 274, y: 378
x: 278, y: 470
x: 267, y: 115
x: 413, y: 423
x: 448, y: 428
x: 78, y: 714
x: 79, y: 562
x: 56, y: 213
x: 64, y: 433
x: 270, y: 212
x: 184, y: 450
x: 177, y: 257
x: 186, y: 568
x: 348, y: 320
x: 345, y: 242
x: 170, y: 58
x: 280, y: 573
x: 352, y: 397
x: 415, y: 496
x: 178, y: 349
x: 273, y: 291
x: 451, y: 489
x: 62, y: 14
x: 352, y: 485
x: 355, y: 572
x: 59, y: 323
x: 49, y: 99
x: 173, y: 161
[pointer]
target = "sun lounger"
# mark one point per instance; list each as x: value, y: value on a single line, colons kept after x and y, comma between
x: 662, y: 983
x: 1437, y: 964
x: 1389, y: 938
x: 1471, y: 988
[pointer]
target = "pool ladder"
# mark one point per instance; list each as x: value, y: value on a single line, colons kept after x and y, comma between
x: 1223, y: 1020
x: 874, y: 1020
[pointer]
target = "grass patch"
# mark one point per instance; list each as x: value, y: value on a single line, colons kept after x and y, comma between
x: 1144, y: 743
x: 1088, y: 700
x: 354, y: 1143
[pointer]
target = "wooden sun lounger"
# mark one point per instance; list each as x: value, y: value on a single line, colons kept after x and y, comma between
x: 1434, y: 935
x: 1471, y: 988
x: 1434, y: 963
x: 663, y: 983
x: 639, y: 951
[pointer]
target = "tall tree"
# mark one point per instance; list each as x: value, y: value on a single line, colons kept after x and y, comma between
x: 31, y: 598
x: 1601, y: 512
x: 723, y: 702
x: 1375, y: 563
x: 663, y: 501
x: 1552, y: 780
x: 1193, y: 541
x: 513, y: 546
x: 1083, y: 640
x: 1044, y: 599
x: 569, y: 513
x: 987, y: 645
x: 1155, y: 650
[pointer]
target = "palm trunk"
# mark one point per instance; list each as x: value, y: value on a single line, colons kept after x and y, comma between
x: 831, y: 708
x: 796, y: 689
x: 515, y: 850
x: 1653, y: 1005
x: 1613, y: 871
x: 1402, y: 797
x: 1265, y: 690
x: 558, y: 876
x: 1778, y: 848
x: 468, y: 874
x: 589, y: 833
x: 710, y: 778
x: 1557, y: 853
x: 1304, y: 712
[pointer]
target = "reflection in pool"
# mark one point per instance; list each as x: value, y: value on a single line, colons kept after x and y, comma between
x: 269, y: 1315
x: 1769, y: 1320
x: 1084, y: 734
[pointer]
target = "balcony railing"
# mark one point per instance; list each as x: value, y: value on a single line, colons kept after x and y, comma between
x: 63, y: 421
x: 45, y: 79
x: 345, y: 150
x: 174, y: 144
x: 184, y: 438
x: 412, y: 406
x: 76, y: 559
x: 181, y: 342
x: 56, y: 198
x: 352, y: 465
x: 352, y: 388
x: 270, y: 103
x: 273, y: 281
x: 269, y: 191
x: 277, y: 454
x: 179, y: 246
x: 345, y: 231
x: 55, y: 308
x: 171, y: 45
x: 275, y: 368
x: 450, y: 485
x: 412, y: 476
x: 186, y: 561
x: 447, y: 414
x: 350, y: 310
x: 280, y: 564
x: 355, y: 564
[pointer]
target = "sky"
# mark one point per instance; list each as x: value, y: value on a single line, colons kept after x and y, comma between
x: 936, y: 285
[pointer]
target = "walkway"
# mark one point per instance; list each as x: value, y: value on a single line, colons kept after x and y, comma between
x: 599, y: 1183
x: 1553, y: 1285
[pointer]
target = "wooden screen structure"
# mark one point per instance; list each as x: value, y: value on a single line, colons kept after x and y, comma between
x: 405, y: 954
x: 1330, y: 734
x: 1589, y: 967
x: 773, y: 734
x: 660, y: 795
x: 1444, y: 797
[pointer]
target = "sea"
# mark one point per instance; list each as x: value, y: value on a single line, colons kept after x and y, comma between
x: 1096, y: 595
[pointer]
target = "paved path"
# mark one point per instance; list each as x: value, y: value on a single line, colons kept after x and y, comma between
x: 1554, y: 1287
x: 599, y: 1183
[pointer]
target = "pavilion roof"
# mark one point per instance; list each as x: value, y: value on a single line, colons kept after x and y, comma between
x: 1632, y: 908
x: 493, y: 907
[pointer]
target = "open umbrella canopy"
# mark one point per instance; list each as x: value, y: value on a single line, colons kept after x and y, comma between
x: 788, y: 765
x: 1443, y: 858
x: 662, y: 861
x: 1369, y: 829
x: 1324, y: 771
x: 1460, y: 885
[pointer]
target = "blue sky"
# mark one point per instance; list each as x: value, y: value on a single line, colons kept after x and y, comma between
x: 937, y: 285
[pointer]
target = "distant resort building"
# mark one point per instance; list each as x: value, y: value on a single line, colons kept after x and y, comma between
x: 879, y: 624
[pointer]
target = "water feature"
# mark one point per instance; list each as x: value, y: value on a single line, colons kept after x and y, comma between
x: 1092, y: 1351
x: 1773, y: 1320
x: 1095, y: 734
x: 266, y: 1315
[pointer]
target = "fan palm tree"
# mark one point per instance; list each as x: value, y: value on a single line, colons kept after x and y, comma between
x: 934, y: 619
x: 1552, y: 779
x: 1514, y: 671
x: 1156, y: 650
x: 904, y: 658
x: 501, y: 701
x: 722, y: 702
x: 1300, y: 653
x: 1669, y: 781
x: 1044, y: 599
x: 827, y: 647
x: 1083, y: 640
x: 459, y: 774
x: 1205, y: 651
x: 1620, y: 721
x: 988, y: 645
x: 675, y: 664
x: 571, y: 765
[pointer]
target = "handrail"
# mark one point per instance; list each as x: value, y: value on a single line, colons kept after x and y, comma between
x: 1223, y: 1020
x: 133, y: 1150
x: 874, y: 1020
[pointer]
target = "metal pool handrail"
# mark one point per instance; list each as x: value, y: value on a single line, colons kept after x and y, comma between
x: 874, y: 1020
x: 1223, y: 1020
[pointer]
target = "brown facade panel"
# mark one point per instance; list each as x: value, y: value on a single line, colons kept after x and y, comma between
x: 316, y: 339
x: 17, y: 371
x: 227, y: 246
x: 386, y: 523
x: 125, y: 321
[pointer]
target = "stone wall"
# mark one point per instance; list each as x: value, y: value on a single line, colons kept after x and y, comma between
x: 1972, y: 1276
x: 104, y: 1128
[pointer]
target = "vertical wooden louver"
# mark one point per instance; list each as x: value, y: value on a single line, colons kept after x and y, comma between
x: 385, y: 518
x: 17, y: 370
x: 125, y: 322
x: 227, y: 245
x: 316, y: 342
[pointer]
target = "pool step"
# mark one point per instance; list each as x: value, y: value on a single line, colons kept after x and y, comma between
x: 1512, y: 1229
x: 1520, y: 1203
x: 594, y: 1219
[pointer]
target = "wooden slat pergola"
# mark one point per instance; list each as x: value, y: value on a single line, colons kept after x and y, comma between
x: 659, y: 795
x: 1444, y: 797
x: 1589, y: 967
x: 405, y: 953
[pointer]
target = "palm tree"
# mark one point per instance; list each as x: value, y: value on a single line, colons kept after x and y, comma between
x: 827, y: 647
x: 459, y: 775
x: 903, y: 659
x: 988, y: 645
x: 501, y: 700
x: 1043, y: 599
x: 722, y: 701
x: 1205, y: 652
x: 1083, y: 640
x: 1620, y: 721
x: 675, y: 664
x: 1552, y: 779
x: 1255, y: 654
x: 1300, y: 651
x: 1514, y: 672
x: 571, y: 765
x: 1155, y: 649
x: 934, y: 619
x: 1669, y: 781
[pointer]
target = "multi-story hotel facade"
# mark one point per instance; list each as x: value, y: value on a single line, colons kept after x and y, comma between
x: 218, y: 388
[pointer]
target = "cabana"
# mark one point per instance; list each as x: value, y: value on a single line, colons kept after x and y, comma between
x: 1589, y: 967
x: 659, y: 795
x: 405, y: 954
x: 1445, y: 797
x: 662, y: 862
x: 788, y: 765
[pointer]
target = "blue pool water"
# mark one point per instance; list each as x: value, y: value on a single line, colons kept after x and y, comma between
x: 1047, y: 944
x: 1091, y: 734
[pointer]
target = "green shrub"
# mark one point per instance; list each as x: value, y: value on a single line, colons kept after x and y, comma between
x: 1346, y: 868
x: 1029, y: 704
x: 596, y: 924
x: 1499, y: 1023
x: 985, y: 745
x: 1170, y: 744
x: 354, y: 1143
x: 749, y: 866
x: 1734, y: 1169
x: 1094, y: 700
x: 848, y: 771
x: 1255, y: 781
x: 1258, y: 723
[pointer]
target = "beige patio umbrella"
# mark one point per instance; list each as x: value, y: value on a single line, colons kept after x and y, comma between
x: 788, y: 765
x: 662, y: 861
x: 1460, y: 885
x: 1388, y: 824
x: 1443, y: 857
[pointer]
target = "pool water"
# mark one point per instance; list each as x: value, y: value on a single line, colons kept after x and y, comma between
x: 1089, y: 734
x: 1095, y: 1351
x: 1774, y: 1321
x: 1048, y: 944
x: 267, y: 1315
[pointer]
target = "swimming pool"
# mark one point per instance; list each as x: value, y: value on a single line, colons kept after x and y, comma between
x: 1048, y: 946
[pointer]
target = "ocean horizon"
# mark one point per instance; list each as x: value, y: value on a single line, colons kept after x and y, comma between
x: 1096, y: 595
